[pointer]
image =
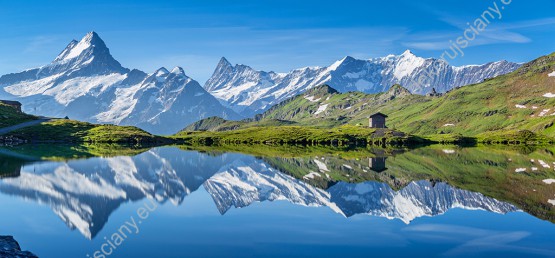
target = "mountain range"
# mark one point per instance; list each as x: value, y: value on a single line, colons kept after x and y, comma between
x: 249, y: 92
x: 84, y: 82
x: 509, y: 104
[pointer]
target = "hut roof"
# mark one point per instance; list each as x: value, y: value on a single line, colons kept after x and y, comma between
x: 378, y: 114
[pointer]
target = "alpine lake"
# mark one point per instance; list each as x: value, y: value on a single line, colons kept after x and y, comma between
x: 289, y: 201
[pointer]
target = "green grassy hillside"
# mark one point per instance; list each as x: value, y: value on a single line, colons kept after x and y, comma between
x: 10, y: 116
x: 63, y: 130
x: 342, y: 135
x: 494, y: 110
x: 514, y: 101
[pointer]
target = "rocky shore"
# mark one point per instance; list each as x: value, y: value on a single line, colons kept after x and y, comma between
x: 10, y: 248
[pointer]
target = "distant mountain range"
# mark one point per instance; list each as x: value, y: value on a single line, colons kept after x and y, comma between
x: 521, y: 100
x: 249, y: 91
x: 86, y: 83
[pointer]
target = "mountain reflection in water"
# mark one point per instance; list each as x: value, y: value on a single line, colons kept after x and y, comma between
x: 84, y: 192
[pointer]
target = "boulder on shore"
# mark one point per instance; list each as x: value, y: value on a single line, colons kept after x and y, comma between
x: 10, y: 248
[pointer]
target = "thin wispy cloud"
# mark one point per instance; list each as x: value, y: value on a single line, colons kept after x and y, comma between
x: 472, y: 241
x: 293, y: 35
x: 39, y: 43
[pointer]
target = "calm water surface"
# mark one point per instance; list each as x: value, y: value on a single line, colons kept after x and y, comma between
x: 169, y: 202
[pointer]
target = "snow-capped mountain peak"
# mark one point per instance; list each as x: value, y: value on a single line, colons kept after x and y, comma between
x: 345, y: 61
x: 88, y: 43
x: 161, y: 72
x: 408, y: 53
x: 224, y: 62
x: 178, y: 71
x: 406, y: 64
x: 86, y: 83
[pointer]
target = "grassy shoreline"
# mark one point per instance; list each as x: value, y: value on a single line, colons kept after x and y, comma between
x: 70, y: 131
x: 275, y: 135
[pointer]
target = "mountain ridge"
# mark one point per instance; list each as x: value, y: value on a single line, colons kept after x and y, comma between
x: 85, y: 82
x: 523, y: 100
x: 249, y: 91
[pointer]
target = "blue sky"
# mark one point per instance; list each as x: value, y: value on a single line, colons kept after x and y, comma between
x: 269, y: 35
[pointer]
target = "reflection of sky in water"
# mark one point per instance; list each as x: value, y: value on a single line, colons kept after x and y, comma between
x: 196, y: 229
x: 190, y: 223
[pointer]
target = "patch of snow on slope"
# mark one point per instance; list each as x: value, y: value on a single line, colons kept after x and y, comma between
x: 355, y: 75
x: 321, y: 109
x: 520, y: 106
x: 363, y: 85
x: 311, y: 175
x: 28, y: 88
x: 551, y: 74
x: 70, y: 90
x: 544, y: 112
x: 407, y: 209
x: 549, y: 181
x: 363, y: 188
x: 549, y: 95
x: 122, y: 106
x: 543, y: 164
x: 311, y: 99
x: 321, y: 165
x: 78, y: 49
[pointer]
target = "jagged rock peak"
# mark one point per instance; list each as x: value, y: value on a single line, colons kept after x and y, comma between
x: 76, y: 48
x: 161, y: 71
x: 321, y: 90
x: 224, y: 63
x: 346, y: 60
x: 396, y: 91
x: 407, y: 53
x: 178, y: 71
